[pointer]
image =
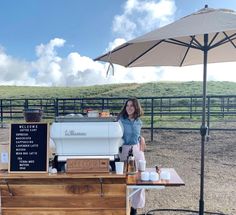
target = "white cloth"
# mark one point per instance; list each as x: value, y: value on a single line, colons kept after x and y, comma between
x: 138, y: 199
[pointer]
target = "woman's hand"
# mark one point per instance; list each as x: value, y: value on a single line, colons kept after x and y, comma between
x: 142, y: 144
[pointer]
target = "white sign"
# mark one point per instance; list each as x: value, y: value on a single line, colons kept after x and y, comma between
x: 4, y: 157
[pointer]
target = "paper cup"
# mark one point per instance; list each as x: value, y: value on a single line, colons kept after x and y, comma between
x: 153, y: 176
x: 145, y: 176
x: 165, y: 175
x: 141, y: 165
x: 119, y: 167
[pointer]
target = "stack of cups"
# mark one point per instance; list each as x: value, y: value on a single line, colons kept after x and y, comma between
x: 146, y: 176
x: 119, y: 168
x: 153, y: 176
x: 149, y: 176
x: 165, y: 175
x: 141, y: 165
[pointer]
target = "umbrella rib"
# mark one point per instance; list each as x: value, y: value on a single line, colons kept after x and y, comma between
x: 186, y: 52
x: 144, y: 53
x: 198, y: 44
x: 181, y: 43
x: 223, y: 41
x: 212, y: 40
x: 229, y: 39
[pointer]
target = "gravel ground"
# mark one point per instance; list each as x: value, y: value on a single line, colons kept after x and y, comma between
x: 181, y: 150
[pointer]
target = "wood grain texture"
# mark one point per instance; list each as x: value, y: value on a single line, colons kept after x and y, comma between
x: 54, y: 180
x: 46, y: 211
x: 109, y: 175
x: 63, y: 195
x: 63, y: 202
x: 87, y: 165
x: 64, y: 190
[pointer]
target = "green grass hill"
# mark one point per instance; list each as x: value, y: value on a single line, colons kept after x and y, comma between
x: 120, y: 90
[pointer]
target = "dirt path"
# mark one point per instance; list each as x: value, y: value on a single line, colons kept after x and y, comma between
x: 181, y: 150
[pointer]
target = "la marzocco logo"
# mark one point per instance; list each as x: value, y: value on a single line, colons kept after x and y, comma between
x: 74, y: 133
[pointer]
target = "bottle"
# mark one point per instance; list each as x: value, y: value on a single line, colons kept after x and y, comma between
x: 131, y: 166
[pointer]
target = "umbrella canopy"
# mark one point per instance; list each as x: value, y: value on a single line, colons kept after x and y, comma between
x: 207, y: 36
x: 181, y: 43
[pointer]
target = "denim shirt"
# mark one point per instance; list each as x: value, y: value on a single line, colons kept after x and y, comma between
x: 132, y: 130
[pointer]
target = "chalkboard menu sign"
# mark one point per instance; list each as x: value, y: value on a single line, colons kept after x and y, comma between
x: 29, y: 147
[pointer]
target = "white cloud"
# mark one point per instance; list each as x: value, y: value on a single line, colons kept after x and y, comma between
x: 115, y: 43
x: 157, y: 14
x: 81, y: 70
x: 73, y: 70
x: 215, y: 72
x: 49, y: 49
x: 13, y: 71
x: 50, y: 69
x: 141, y: 16
x: 131, y: 75
x: 47, y: 68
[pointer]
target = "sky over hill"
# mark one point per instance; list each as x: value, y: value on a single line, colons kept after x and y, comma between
x: 52, y: 43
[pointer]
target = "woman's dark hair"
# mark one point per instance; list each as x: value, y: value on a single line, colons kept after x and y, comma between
x: 137, y: 112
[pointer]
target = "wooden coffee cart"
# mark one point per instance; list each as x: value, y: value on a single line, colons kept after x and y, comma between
x: 63, y: 193
x: 39, y: 192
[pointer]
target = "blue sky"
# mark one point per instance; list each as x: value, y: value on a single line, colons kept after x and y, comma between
x: 53, y: 42
x: 84, y: 24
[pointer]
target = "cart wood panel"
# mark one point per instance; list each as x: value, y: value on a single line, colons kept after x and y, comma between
x: 62, y: 194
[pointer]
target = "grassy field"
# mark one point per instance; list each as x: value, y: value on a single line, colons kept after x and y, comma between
x: 157, y: 89
x: 120, y: 90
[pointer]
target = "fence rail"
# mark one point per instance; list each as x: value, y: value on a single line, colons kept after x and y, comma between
x: 178, y: 110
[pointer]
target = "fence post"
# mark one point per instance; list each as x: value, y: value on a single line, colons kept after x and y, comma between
x: 74, y: 106
x: 102, y: 104
x: 63, y: 106
x: 228, y: 104
x: 1, y: 114
x: 82, y: 106
x: 10, y: 105
x: 152, y: 118
x: 223, y: 106
x: 161, y: 107
x: 56, y: 107
x: 191, y: 107
x: 169, y: 104
x: 208, y: 114
x: 26, y: 105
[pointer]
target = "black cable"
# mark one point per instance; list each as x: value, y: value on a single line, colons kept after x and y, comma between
x: 183, y: 210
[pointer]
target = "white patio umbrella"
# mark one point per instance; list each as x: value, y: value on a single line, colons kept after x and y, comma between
x: 207, y: 36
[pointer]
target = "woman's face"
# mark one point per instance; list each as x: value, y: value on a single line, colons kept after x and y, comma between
x: 130, y: 109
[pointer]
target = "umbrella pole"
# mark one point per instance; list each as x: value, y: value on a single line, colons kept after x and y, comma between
x: 203, y: 129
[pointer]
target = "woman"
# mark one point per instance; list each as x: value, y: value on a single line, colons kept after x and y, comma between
x: 130, y: 119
